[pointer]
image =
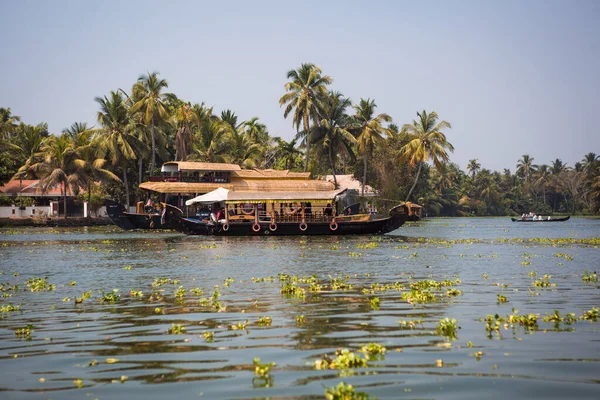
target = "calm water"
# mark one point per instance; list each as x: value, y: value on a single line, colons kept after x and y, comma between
x: 123, y: 350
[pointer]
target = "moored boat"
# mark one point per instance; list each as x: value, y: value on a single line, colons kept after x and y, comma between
x: 287, y: 213
x: 549, y: 219
x: 157, y: 217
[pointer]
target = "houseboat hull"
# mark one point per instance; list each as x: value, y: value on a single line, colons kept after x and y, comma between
x: 193, y: 226
x: 127, y: 220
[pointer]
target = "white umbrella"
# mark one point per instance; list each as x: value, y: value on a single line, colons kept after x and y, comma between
x: 216, y: 196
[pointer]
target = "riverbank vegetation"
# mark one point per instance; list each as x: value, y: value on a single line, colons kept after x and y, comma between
x: 140, y: 128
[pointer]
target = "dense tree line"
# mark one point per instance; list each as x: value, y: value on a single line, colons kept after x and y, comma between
x: 139, y: 129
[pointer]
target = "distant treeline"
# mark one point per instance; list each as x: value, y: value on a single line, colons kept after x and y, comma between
x: 139, y: 129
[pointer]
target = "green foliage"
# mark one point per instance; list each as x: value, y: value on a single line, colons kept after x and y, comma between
x: 344, y: 391
x: 448, y: 327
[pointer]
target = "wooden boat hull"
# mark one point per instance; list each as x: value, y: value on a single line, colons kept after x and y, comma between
x: 127, y: 220
x: 193, y: 226
x: 542, y: 220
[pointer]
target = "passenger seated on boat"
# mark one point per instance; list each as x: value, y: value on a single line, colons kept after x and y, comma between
x: 308, y: 208
x: 149, y: 206
x: 523, y: 216
x: 328, y: 210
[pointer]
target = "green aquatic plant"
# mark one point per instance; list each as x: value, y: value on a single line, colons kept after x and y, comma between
x: 197, y: 291
x: 39, y: 285
x: 209, y: 336
x: 179, y: 293
x: 25, y: 332
x: 85, y: 296
x: 158, y: 282
x: 339, y: 283
x: 502, y: 299
x: 544, y: 282
x: 354, y: 254
x: 528, y: 321
x: 344, y: 391
x: 293, y: 290
x: 109, y: 297
x: 419, y: 297
x: 375, y: 303
x: 136, y: 293
x: 264, y: 321
x: 240, y: 326
x: 8, y: 308
x: 344, y: 359
x: 262, y: 370
x: 176, y: 329
x: 493, y: 323
x: 564, y: 255
x: 300, y: 319
x: 454, y: 292
x: 412, y: 324
x: 568, y: 319
x: 587, y: 277
x: 590, y: 315
x: 448, y: 327
x: 373, y: 351
x: 370, y: 245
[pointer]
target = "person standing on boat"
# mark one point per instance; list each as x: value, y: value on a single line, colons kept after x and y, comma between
x: 328, y: 210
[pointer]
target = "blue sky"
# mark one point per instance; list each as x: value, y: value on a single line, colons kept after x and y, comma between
x: 512, y: 77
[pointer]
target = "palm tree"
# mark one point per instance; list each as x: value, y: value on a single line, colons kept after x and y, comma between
x: 590, y: 160
x: 28, y: 144
x: 473, y: 167
x: 288, y: 152
x: 89, y: 167
x: 183, y: 119
x: 242, y: 150
x: 304, y: 94
x: 117, y: 136
x: 333, y: 132
x: 211, y: 141
x: 425, y: 141
x: 369, y: 129
x: 8, y: 123
x: 56, y: 166
x: 525, y: 166
x: 148, y: 88
x: 230, y: 121
x: 541, y: 181
x: 256, y: 131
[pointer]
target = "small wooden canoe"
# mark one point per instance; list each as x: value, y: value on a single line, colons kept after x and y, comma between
x: 542, y: 220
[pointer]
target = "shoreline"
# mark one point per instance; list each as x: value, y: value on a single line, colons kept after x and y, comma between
x: 56, y: 221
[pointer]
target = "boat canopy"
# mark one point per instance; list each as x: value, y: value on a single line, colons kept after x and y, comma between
x: 216, y: 196
x: 287, y: 197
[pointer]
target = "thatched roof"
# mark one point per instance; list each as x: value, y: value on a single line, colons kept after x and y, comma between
x: 288, y: 197
x: 269, y: 174
x: 183, y: 187
x: 203, y: 166
x: 349, y: 182
x: 262, y: 185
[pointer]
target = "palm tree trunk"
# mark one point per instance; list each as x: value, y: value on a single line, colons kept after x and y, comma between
x: 153, y: 149
x: 65, y: 198
x: 126, y: 189
x: 364, y: 182
x: 415, y: 183
x: 89, y: 198
x: 307, y: 127
x: 140, y: 170
x: 332, y: 167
